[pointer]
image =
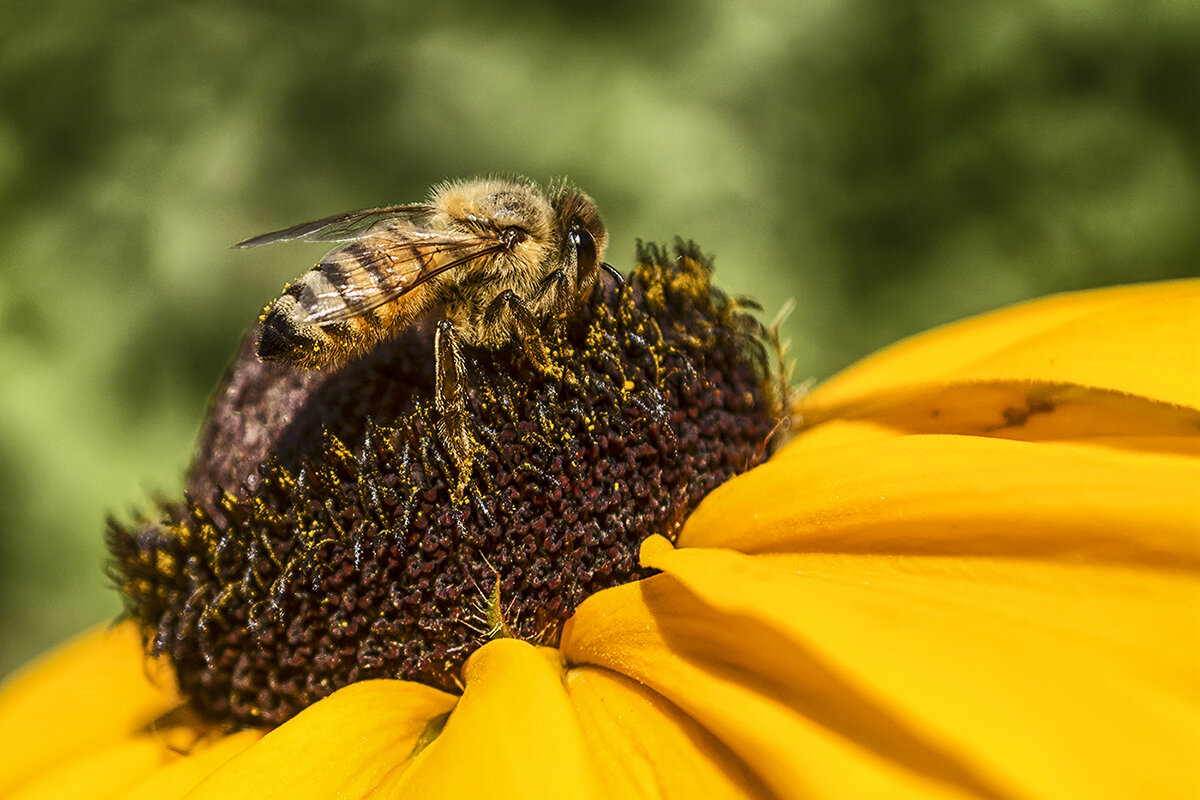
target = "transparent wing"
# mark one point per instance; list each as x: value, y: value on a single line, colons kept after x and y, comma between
x: 340, y: 228
x: 381, y: 266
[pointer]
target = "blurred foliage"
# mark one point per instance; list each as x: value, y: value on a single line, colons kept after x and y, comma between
x: 890, y: 164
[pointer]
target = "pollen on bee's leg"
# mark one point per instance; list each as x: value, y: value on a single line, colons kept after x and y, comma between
x: 455, y: 434
x: 453, y: 426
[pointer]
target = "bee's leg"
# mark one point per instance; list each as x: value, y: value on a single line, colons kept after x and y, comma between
x: 451, y: 401
x: 563, y: 299
x: 511, y: 312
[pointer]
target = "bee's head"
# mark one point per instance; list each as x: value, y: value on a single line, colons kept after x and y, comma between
x: 580, y: 232
x: 561, y: 227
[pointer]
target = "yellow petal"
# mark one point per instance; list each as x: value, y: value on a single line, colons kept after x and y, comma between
x: 513, y: 734
x: 1067, y: 679
x: 961, y: 494
x: 763, y: 697
x: 99, y: 774
x: 177, y: 778
x: 1027, y: 410
x: 86, y: 695
x: 342, y: 746
x: 1139, y: 340
x: 1076, y: 429
x: 644, y: 747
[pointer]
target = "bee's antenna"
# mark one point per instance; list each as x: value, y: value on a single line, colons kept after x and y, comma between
x: 611, y: 270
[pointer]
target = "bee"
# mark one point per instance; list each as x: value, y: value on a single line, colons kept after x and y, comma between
x: 493, y: 258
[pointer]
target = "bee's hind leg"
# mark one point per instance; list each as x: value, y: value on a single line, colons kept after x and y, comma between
x: 510, y: 311
x: 451, y: 401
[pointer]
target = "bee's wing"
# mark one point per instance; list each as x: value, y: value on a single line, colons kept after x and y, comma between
x: 383, y: 265
x: 339, y: 228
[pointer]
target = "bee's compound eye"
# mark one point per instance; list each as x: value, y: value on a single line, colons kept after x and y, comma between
x: 585, y: 248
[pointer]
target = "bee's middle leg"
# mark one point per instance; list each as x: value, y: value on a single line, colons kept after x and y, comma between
x: 451, y: 401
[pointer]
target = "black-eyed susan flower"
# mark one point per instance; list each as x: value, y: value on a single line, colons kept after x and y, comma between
x: 971, y: 573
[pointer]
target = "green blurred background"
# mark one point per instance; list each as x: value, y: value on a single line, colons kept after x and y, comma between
x: 890, y: 164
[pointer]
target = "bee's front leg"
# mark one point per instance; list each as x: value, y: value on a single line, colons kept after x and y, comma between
x: 559, y: 285
x: 510, y: 312
x: 562, y: 301
x: 451, y: 401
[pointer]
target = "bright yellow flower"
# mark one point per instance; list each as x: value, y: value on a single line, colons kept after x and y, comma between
x: 973, y: 573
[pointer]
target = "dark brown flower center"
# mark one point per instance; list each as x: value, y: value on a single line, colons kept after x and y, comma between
x: 323, y: 540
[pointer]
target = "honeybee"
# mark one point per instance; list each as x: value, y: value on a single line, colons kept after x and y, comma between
x: 493, y: 257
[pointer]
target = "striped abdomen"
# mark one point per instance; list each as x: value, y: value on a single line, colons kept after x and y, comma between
x: 355, y: 297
